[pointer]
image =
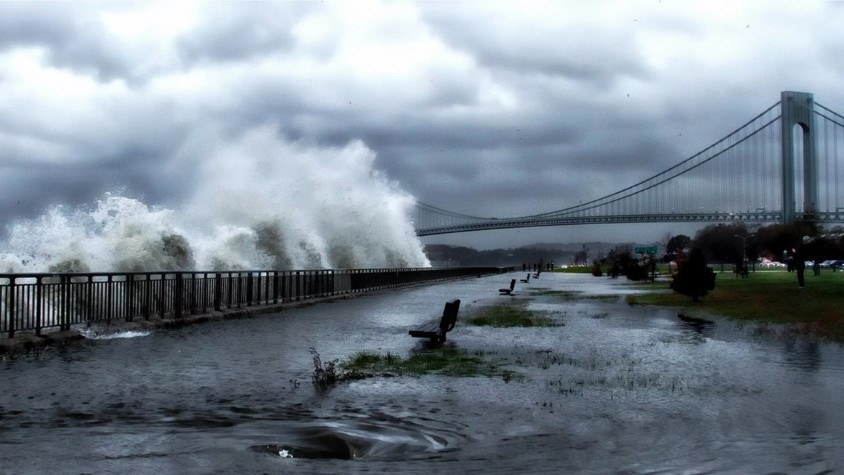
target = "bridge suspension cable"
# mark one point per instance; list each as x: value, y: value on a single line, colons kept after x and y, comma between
x: 739, y: 177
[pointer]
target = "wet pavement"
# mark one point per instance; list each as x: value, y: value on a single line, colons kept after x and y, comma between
x: 613, y: 388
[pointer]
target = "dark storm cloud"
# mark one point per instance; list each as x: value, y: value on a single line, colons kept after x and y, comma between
x: 485, y: 108
x: 589, y: 52
x: 231, y: 32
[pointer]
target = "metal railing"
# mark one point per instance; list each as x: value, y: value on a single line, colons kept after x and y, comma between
x: 41, y: 301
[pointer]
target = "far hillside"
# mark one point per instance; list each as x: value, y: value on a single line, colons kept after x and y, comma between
x: 443, y: 255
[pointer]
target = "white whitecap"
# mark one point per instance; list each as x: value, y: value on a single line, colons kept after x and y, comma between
x: 93, y: 334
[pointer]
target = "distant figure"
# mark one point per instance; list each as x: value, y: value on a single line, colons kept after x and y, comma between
x: 524, y: 266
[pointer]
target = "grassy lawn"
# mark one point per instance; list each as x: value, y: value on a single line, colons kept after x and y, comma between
x: 768, y: 296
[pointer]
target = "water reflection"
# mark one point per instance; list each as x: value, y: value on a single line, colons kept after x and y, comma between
x: 802, y: 353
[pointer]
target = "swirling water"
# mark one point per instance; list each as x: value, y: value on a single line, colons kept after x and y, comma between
x: 613, y: 388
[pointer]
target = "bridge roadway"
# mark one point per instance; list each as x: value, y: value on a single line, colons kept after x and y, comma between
x: 545, y: 220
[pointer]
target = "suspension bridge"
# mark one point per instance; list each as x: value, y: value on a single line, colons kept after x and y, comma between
x: 784, y: 165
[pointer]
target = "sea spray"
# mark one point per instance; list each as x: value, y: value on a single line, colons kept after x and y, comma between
x: 257, y: 202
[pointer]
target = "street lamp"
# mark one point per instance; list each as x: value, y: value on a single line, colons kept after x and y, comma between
x: 743, y: 253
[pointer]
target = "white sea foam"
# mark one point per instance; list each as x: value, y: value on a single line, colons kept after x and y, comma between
x: 98, y: 335
x: 258, y: 202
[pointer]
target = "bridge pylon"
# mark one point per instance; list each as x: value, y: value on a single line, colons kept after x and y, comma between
x: 798, y: 109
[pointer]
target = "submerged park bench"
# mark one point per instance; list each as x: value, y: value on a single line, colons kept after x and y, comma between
x: 510, y: 290
x: 526, y: 279
x: 436, y: 332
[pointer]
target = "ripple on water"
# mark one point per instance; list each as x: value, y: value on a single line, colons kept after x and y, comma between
x: 378, y: 436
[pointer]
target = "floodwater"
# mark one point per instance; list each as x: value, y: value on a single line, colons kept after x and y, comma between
x: 614, y: 388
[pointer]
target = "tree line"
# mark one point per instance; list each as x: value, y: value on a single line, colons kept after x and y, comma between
x: 732, y: 243
x: 728, y: 243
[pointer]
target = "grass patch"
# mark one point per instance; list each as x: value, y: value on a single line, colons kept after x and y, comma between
x: 505, y: 316
x: 442, y: 361
x: 574, y: 270
x: 770, y: 296
x: 570, y: 295
x: 564, y: 294
x: 601, y: 298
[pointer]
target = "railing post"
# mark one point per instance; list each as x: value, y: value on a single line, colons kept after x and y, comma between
x: 38, y: 317
x: 147, y: 296
x: 177, y: 297
x: 275, y: 286
x: 162, y: 295
x: 109, y: 295
x: 130, y: 297
x: 229, y: 288
x: 249, y: 289
x: 11, y: 307
x: 194, y: 307
x: 89, y: 298
x: 218, y: 291
x: 239, y: 290
x: 65, y: 303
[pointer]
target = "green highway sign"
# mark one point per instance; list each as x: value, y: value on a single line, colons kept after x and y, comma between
x: 645, y: 250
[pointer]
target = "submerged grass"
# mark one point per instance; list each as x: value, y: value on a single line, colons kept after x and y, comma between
x: 574, y: 270
x: 442, y: 360
x: 505, y: 316
x: 571, y: 295
x: 564, y: 294
x: 770, y: 296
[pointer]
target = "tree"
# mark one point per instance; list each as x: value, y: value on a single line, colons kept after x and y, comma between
x: 677, y: 244
x: 621, y: 262
x: 581, y: 257
x: 777, y: 238
x: 719, y: 242
x: 694, y: 278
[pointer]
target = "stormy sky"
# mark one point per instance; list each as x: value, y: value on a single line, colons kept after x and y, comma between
x: 486, y: 108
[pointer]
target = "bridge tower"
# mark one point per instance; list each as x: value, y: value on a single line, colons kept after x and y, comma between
x: 798, y: 108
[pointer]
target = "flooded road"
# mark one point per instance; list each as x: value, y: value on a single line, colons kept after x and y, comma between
x: 613, y: 388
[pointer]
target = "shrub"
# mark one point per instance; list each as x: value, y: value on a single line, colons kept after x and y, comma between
x: 694, y: 278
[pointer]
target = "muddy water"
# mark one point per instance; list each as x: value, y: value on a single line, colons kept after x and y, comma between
x: 614, y: 388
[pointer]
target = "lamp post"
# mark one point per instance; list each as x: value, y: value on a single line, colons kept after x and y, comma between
x: 743, y: 253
